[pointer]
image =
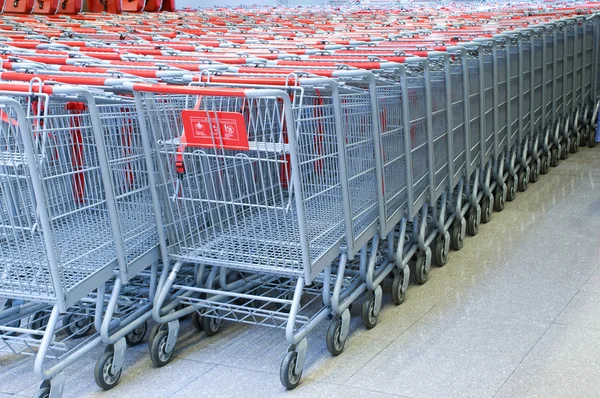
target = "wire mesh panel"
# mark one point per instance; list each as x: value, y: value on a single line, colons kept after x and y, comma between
x: 70, y: 198
x: 549, y: 66
x: 474, y: 112
x: 457, y: 86
x: 526, y: 77
x: 569, y: 65
x: 417, y: 124
x: 393, y: 152
x: 515, y: 91
x: 537, y: 70
x: 588, y: 66
x: 234, y: 203
x: 578, y: 66
x: 439, y: 125
x: 488, y: 101
x: 502, y: 100
x: 559, y: 71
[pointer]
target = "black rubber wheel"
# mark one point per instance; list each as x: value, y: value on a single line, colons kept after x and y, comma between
x: 534, y: 174
x: 287, y: 373
x: 592, y: 138
x: 472, y: 222
x: 584, y: 136
x: 367, y: 313
x: 398, y: 290
x: 211, y: 325
x: 136, y: 336
x: 9, y: 303
x: 421, y: 269
x: 574, y: 145
x: 78, y: 325
x: 158, y: 353
x: 335, y: 345
x: 103, y: 374
x: 440, y: 254
x: 486, y: 209
x: 564, y: 151
x: 196, y: 321
x: 511, y: 192
x: 499, y: 199
x: 554, y: 157
x: 457, y: 240
x: 544, y: 164
x: 39, y: 321
x: 43, y: 392
x: 522, y: 181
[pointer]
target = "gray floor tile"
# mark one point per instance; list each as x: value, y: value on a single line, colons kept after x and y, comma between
x: 542, y: 383
x: 346, y: 392
x: 223, y: 381
x: 582, y: 310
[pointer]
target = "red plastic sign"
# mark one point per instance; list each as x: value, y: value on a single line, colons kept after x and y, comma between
x: 214, y: 129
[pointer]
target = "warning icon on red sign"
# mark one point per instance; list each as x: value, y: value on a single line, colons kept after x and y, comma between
x: 206, y: 129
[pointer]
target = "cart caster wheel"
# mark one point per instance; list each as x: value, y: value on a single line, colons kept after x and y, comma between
x: 544, y: 165
x: 335, y: 344
x: 486, y: 208
x: 499, y: 197
x: 440, y: 251
x: 457, y: 235
x: 78, y: 325
x: 197, y: 322
x: 584, y: 136
x: 574, y: 147
x: 39, y: 321
x: 367, y: 314
x: 136, y: 336
x: 103, y: 373
x: 554, y: 157
x: 287, y: 373
x: 534, y: 173
x: 398, y: 288
x: 522, y: 181
x: 592, y: 138
x: 511, y: 192
x: 421, y: 269
x: 159, y: 354
x: 473, y: 220
x: 210, y: 325
x: 564, y: 151
x: 43, y: 392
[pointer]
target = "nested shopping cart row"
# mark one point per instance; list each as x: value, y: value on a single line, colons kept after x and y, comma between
x: 278, y: 188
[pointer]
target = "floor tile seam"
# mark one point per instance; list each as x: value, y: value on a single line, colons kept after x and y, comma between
x: 373, y: 391
x: 191, y: 381
x: 521, y: 361
x: 406, y: 330
x: 575, y: 295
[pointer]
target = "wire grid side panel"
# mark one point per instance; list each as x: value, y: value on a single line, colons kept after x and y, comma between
x: 457, y: 86
x: 73, y: 191
x: 488, y: 100
x: 526, y: 79
x: 578, y: 66
x: 24, y: 268
x: 515, y: 92
x: 123, y: 143
x: 357, y: 119
x: 237, y: 207
x: 550, y: 70
x: 502, y: 103
x: 474, y: 111
x: 596, y: 56
x: 418, y: 136
x: 538, y: 81
x: 392, y: 147
x: 559, y: 69
x: 439, y: 126
x: 570, y: 68
x: 589, y: 59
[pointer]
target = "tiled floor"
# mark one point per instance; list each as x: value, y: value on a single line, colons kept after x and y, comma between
x: 516, y: 313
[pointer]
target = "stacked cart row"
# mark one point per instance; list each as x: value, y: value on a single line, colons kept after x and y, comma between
x: 263, y: 166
